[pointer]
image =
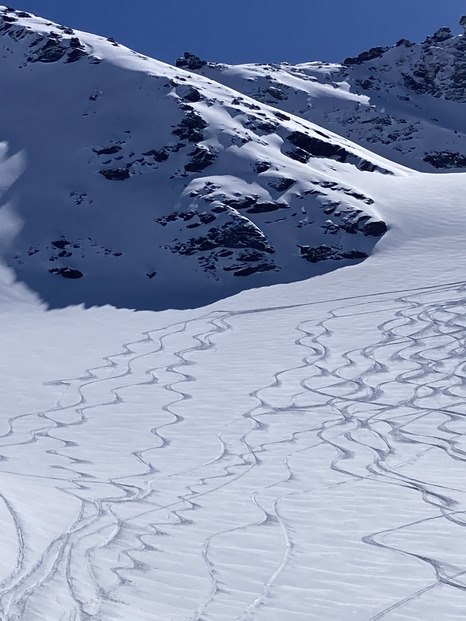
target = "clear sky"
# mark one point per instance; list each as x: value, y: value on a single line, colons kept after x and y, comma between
x: 236, y: 31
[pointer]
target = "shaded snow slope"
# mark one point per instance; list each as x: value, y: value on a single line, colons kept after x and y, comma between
x: 405, y: 102
x: 145, y: 186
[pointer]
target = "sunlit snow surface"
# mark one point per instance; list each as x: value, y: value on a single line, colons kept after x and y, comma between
x: 295, y: 452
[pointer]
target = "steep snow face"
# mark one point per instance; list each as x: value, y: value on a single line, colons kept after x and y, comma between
x: 145, y: 186
x: 405, y: 102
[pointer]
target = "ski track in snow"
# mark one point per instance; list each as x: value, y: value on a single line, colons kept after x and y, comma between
x: 230, y: 513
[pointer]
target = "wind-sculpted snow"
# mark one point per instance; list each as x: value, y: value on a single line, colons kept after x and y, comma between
x: 314, y: 475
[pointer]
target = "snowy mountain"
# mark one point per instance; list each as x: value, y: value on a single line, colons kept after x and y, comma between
x: 145, y: 186
x: 295, y: 451
x: 406, y: 102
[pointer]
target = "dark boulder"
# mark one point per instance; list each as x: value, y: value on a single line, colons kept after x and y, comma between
x: 115, y: 174
x: 51, y: 52
x: 67, y: 272
x: 330, y: 253
x: 277, y: 93
x: 191, y: 127
x: 442, y: 34
x: 190, y: 61
x: 201, y: 157
x: 189, y: 93
x: 375, y: 228
x: 61, y: 243
x: 374, y: 52
x: 75, y: 55
x: 260, y: 167
x: 108, y: 150
x: 159, y: 155
x: 316, y: 147
x: 445, y: 159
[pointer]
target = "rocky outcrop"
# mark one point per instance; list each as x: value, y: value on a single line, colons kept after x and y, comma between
x: 321, y: 253
x: 190, y: 61
x: 446, y: 159
x: 374, y: 52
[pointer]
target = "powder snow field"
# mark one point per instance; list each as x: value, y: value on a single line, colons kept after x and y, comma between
x: 293, y: 452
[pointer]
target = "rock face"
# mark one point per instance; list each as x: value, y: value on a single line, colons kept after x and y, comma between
x: 190, y: 61
x: 399, y: 101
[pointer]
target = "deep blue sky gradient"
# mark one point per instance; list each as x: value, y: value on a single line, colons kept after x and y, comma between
x: 236, y: 31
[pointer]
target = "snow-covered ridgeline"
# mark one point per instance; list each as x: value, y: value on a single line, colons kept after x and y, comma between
x: 186, y: 191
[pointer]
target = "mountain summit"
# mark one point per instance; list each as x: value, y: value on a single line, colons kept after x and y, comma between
x: 406, y: 102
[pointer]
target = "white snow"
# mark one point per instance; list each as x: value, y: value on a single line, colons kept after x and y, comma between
x: 293, y: 452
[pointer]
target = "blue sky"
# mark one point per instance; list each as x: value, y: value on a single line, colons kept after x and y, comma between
x: 254, y: 30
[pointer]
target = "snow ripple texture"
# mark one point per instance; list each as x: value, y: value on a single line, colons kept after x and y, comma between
x: 301, y: 463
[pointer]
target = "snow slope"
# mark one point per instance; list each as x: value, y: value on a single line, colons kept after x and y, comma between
x: 405, y: 102
x: 145, y: 186
x: 292, y: 452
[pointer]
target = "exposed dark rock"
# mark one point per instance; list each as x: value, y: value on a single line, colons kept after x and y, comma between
x: 51, y: 52
x: 446, y: 159
x: 254, y: 269
x: 115, y: 174
x: 350, y: 225
x: 267, y: 127
x: 206, y: 218
x: 252, y: 204
x: 375, y: 228
x: 299, y: 155
x: 260, y: 167
x: 75, y: 55
x: 442, y: 34
x: 319, y: 253
x: 277, y: 93
x: 329, y: 253
x: 281, y: 116
x: 191, y: 62
x: 108, y: 150
x: 309, y: 146
x: 405, y: 43
x: 67, y: 272
x: 191, y: 127
x: 238, y: 234
x: 370, y: 167
x: 316, y: 147
x: 201, y: 158
x: 61, y: 243
x: 374, y: 52
x: 159, y: 155
x: 354, y: 254
x: 266, y: 207
x: 75, y: 43
x: 189, y: 93
x: 244, y: 202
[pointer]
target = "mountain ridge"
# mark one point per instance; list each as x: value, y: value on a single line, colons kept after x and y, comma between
x: 404, y: 102
x: 145, y: 186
